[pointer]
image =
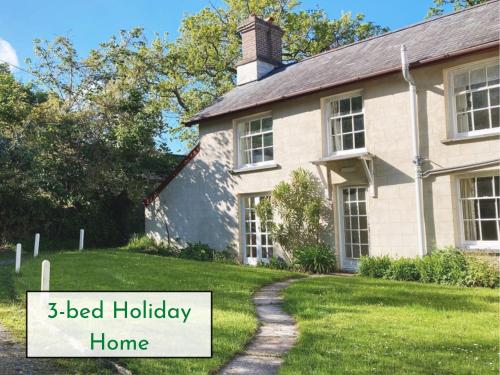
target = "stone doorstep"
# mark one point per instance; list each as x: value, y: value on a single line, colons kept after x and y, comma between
x: 250, y: 364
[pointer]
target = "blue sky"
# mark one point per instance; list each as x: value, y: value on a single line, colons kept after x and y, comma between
x: 88, y: 22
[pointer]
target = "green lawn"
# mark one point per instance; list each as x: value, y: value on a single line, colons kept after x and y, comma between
x: 356, y: 325
x: 234, y: 315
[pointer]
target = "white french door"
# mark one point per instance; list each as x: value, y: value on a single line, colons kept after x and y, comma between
x: 354, y: 239
x: 257, y: 242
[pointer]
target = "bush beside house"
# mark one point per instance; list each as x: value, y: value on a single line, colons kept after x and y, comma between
x: 447, y: 266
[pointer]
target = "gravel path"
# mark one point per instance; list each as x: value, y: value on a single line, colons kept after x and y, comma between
x: 276, y: 335
x: 13, y: 359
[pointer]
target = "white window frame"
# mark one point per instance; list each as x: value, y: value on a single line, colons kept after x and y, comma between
x: 467, y: 244
x: 237, y: 126
x: 258, y: 233
x: 326, y: 103
x: 451, y: 102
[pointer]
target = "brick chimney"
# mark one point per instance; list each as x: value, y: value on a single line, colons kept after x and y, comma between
x: 261, y: 49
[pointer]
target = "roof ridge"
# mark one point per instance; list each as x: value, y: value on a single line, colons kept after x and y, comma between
x: 390, y: 32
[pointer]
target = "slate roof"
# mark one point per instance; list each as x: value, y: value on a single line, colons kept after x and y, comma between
x: 439, y: 38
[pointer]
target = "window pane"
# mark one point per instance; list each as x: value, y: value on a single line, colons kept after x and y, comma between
x: 354, y: 222
x: 337, y: 143
x: 364, y: 250
x: 489, y: 230
x: 359, y: 140
x: 481, y: 119
x: 347, y: 223
x: 353, y: 208
x: 257, y: 141
x: 460, y: 82
x: 336, y: 107
x: 358, y: 122
x: 364, y: 236
x: 268, y: 139
x: 463, y: 122
x: 336, y: 127
x: 467, y: 188
x: 487, y: 207
x: 494, y: 117
x: 355, y: 236
x: 356, y: 104
x: 267, y: 124
x: 355, y: 251
x: 470, y: 232
x: 484, y: 187
x: 362, y: 208
x: 480, y: 99
x: 493, y: 74
x: 497, y: 188
x: 363, y: 222
x: 255, y: 126
x: 494, y: 96
x: 256, y: 156
x: 462, y: 103
x: 347, y: 124
x: 478, y: 78
x: 347, y: 139
x: 348, y: 251
x: 345, y: 106
x: 268, y: 153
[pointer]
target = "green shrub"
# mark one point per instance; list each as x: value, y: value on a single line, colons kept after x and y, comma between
x: 447, y: 266
x: 197, y: 251
x: 481, y: 274
x: 315, y: 258
x: 276, y: 263
x: 403, y: 269
x: 145, y: 244
x: 228, y: 255
x: 374, y: 266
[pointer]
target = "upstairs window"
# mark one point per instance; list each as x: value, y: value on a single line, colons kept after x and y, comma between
x: 256, y: 142
x: 475, y: 99
x: 345, y: 128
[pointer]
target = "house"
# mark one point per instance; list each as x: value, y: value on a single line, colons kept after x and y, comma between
x: 401, y: 129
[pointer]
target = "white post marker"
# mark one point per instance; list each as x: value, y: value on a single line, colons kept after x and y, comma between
x: 82, y: 234
x: 18, y: 257
x: 37, y: 245
x: 45, y: 284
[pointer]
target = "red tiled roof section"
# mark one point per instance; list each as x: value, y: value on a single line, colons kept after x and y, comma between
x: 152, y: 196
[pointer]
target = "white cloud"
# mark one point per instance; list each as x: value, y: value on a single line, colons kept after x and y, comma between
x: 8, y: 53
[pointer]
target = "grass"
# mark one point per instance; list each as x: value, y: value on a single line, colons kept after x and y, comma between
x: 357, y: 325
x: 234, y: 314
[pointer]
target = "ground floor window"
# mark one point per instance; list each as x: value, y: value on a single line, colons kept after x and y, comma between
x: 257, y: 240
x: 355, y: 222
x: 480, y: 206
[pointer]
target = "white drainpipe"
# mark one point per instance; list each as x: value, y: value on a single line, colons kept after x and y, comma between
x: 417, y: 160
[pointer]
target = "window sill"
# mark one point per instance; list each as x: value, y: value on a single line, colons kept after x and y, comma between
x: 255, y: 168
x: 363, y: 153
x: 482, y: 248
x: 471, y: 138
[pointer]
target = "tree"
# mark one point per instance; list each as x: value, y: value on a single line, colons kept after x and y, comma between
x: 439, y: 6
x: 199, y: 66
x: 87, y: 150
x: 300, y: 211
